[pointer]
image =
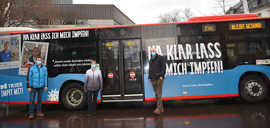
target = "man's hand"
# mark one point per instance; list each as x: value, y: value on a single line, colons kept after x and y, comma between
x: 149, y: 80
x: 29, y: 89
x: 161, y: 78
x: 46, y: 88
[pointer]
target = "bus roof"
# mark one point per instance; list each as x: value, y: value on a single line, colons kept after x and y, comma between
x: 223, y: 17
x: 204, y: 19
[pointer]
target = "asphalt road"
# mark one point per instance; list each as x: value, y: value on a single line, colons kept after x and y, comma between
x: 229, y: 113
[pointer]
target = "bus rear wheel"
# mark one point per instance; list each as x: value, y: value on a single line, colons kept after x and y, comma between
x: 73, y: 96
x: 253, y: 89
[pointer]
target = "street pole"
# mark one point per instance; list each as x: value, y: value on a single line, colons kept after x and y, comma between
x: 245, y: 5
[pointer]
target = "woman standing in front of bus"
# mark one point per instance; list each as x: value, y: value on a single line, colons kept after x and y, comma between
x: 157, y: 70
x: 93, y: 84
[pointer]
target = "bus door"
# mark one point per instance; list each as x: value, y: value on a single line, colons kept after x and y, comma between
x: 122, y: 67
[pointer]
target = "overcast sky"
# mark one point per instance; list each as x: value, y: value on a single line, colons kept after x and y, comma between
x: 148, y: 11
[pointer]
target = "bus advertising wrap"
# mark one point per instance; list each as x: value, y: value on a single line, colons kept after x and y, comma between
x: 193, y: 58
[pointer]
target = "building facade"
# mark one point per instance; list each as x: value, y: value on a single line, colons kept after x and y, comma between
x: 261, y: 7
x: 63, y: 1
x: 21, y: 2
x: 87, y: 14
x: 74, y: 15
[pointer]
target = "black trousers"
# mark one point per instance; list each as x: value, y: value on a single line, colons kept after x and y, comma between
x: 92, y: 101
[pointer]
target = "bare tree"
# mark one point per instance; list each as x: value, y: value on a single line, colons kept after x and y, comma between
x: 28, y: 11
x: 187, y: 14
x: 5, y: 9
x: 223, y: 5
x: 245, y: 6
x: 176, y: 15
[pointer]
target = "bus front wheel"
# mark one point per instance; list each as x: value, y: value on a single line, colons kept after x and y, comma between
x: 253, y: 89
x: 73, y: 96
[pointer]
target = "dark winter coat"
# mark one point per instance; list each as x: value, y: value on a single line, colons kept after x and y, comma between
x: 157, y: 67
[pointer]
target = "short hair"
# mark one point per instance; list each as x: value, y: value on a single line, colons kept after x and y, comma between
x: 39, y: 57
x: 92, y: 61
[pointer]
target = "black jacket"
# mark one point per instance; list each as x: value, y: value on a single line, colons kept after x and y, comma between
x: 157, y: 67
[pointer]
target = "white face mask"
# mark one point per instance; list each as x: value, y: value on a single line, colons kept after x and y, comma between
x: 38, y: 62
x: 93, y: 65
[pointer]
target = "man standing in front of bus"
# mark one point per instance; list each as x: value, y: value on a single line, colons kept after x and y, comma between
x: 38, y: 82
x: 157, y: 70
x: 93, y: 84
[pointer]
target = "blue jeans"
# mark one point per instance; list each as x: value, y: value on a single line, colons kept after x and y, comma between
x: 33, y: 93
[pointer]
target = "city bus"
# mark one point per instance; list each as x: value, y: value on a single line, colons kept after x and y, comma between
x: 206, y: 57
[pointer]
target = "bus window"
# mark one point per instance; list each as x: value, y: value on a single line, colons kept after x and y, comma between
x: 132, y: 66
x: 259, y: 49
x: 110, y: 59
x: 231, y: 54
x: 246, y: 49
x: 65, y: 57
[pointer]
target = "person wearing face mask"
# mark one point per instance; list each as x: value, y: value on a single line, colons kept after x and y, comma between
x: 157, y: 70
x: 38, y: 82
x: 5, y: 55
x: 93, y: 84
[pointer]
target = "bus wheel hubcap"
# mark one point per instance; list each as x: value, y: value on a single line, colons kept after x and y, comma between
x: 74, y: 96
x: 254, y: 88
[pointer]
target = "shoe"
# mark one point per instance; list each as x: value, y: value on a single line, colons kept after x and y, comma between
x: 40, y: 114
x: 31, y: 116
x: 157, y: 112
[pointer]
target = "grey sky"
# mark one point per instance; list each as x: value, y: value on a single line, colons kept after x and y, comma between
x: 147, y: 11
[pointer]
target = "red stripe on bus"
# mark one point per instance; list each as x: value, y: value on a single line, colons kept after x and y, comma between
x: 222, y: 17
x: 194, y: 97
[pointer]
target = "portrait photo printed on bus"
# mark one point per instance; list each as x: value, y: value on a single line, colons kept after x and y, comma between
x: 10, y: 51
x: 31, y: 50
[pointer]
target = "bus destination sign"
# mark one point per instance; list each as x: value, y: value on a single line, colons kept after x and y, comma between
x: 246, y: 26
x: 208, y: 28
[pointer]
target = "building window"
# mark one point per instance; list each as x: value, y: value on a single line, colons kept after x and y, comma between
x: 67, y: 21
x: 81, y: 22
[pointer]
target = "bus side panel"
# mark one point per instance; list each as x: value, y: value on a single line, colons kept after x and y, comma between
x: 242, y: 69
x: 220, y: 85
x: 193, y: 85
x: 56, y: 83
x: 14, y: 90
